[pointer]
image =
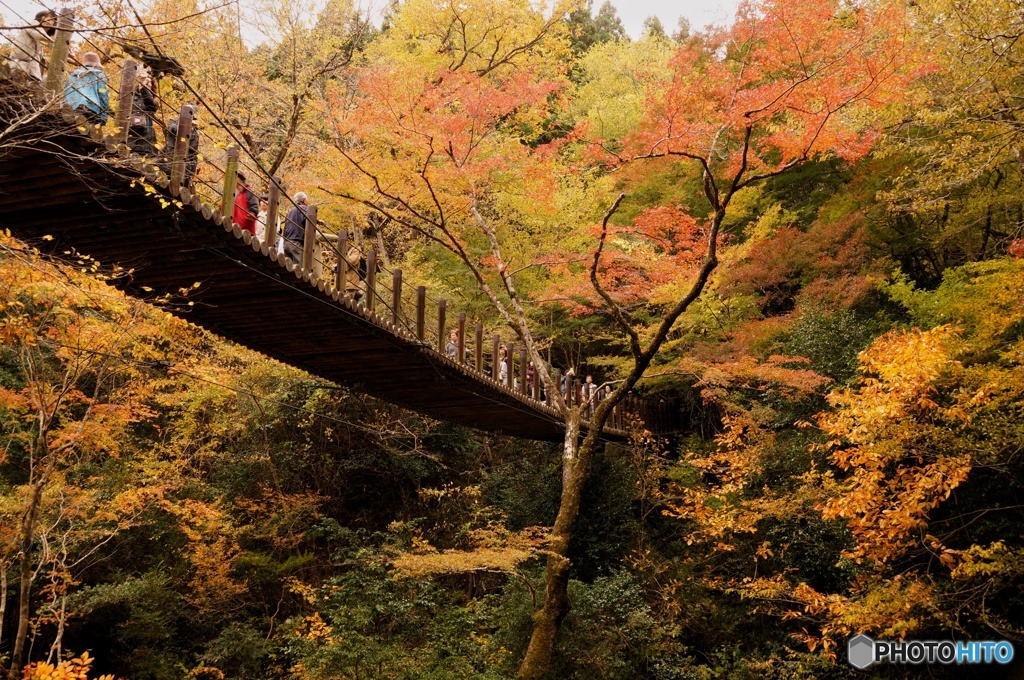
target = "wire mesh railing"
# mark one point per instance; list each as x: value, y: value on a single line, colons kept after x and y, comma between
x: 196, y: 164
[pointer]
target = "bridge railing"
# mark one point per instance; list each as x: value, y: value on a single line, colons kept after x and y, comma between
x: 209, y: 172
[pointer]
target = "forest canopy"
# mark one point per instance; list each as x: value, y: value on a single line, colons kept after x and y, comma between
x: 804, y: 227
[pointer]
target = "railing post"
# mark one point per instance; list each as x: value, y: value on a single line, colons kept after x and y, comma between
x: 510, y: 361
x: 577, y: 392
x: 523, y: 388
x: 478, y: 347
x: 341, y: 273
x: 180, y: 151
x: 536, y: 383
x: 462, y: 338
x: 495, y: 359
x: 396, y: 296
x: 59, y: 51
x: 227, y: 198
x: 421, y: 312
x: 273, y: 207
x: 371, y: 277
x: 309, y: 239
x: 441, y: 306
x: 558, y: 384
x: 124, y: 99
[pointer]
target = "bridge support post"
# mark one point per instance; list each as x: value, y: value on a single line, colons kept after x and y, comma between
x: 462, y: 338
x: 59, y: 52
x: 510, y: 381
x: 421, y: 312
x: 227, y: 197
x: 478, y: 347
x: 309, y: 239
x: 441, y: 306
x: 396, y: 296
x: 273, y: 207
x: 180, y: 149
x: 371, y: 278
x: 523, y: 387
x: 495, y: 359
x: 341, y: 272
x: 124, y: 99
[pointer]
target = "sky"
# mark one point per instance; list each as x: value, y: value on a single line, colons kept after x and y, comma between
x: 633, y: 12
x: 699, y: 12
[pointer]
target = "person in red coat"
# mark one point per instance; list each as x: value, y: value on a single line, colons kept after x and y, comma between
x: 247, y: 206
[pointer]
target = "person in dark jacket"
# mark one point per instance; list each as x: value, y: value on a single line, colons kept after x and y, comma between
x: 295, y: 228
x: 567, y: 381
x: 247, y: 206
x: 86, y: 90
x: 141, y: 135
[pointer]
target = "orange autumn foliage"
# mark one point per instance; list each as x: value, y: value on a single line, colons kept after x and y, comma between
x: 640, y: 264
x: 879, y: 432
x: 785, y: 82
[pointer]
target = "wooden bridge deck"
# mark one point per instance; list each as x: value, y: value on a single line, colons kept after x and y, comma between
x: 63, y: 183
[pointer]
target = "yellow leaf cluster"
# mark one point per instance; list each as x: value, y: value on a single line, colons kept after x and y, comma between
x: 73, y: 669
x: 877, y: 431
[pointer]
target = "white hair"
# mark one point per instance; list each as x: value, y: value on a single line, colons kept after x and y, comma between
x: 301, y: 197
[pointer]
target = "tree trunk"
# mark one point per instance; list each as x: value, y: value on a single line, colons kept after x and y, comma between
x: 3, y: 597
x: 548, y: 619
x: 25, y: 576
x: 21, y: 634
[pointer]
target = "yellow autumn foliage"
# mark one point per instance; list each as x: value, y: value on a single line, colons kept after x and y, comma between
x: 496, y: 549
x: 72, y: 669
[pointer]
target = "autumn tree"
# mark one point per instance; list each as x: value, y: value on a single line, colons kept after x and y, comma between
x: 587, y: 29
x: 653, y: 28
x: 72, y: 397
x: 439, y: 153
x: 957, y: 153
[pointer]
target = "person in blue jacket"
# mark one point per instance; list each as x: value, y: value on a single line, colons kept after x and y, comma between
x: 86, y: 90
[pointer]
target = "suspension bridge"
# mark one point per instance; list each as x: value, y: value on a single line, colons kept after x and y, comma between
x: 65, y: 186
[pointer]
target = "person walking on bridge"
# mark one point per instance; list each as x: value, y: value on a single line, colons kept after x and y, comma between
x: 590, y: 394
x: 28, y: 55
x: 452, y: 348
x: 141, y: 134
x: 503, y: 366
x: 295, y: 228
x: 86, y: 90
x: 247, y: 206
x: 354, y: 258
